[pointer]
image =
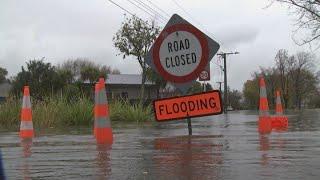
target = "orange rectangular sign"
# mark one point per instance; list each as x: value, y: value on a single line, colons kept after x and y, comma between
x: 196, y: 105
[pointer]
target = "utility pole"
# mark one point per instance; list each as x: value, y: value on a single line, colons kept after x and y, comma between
x: 220, y: 85
x: 225, y: 93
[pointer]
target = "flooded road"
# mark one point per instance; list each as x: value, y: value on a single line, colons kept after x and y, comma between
x: 222, y: 147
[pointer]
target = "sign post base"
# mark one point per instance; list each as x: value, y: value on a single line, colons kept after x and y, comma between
x: 189, y: 126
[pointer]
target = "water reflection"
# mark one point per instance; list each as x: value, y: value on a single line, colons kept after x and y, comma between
x: 264, y: 142
x: 103, y: 161
x: 266, y: 145
x: 26, y: 170
x: 26, y: 145
x: 1, y: 167
x: 188, y: 157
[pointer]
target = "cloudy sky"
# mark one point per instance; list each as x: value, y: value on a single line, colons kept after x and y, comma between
x: 64, y: 29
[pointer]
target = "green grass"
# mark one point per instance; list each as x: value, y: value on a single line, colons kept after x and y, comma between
x: 9, y: 114
x: 125, y: 112
x: 58, y: 112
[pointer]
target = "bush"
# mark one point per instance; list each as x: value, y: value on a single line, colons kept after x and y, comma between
x: 59, y: 112
x: 124, y: 111
x: 9, y: 114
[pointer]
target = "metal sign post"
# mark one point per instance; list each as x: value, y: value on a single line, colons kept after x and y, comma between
x: 189, y: 126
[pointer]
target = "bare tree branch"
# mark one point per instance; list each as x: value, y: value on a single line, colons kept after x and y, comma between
x: 307, y: 21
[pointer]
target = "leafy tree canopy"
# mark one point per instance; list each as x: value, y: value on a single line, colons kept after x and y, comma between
x: 3, y: 74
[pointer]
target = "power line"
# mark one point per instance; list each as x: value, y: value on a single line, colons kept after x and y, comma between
x: 151, y: 9
x: 134, y: 15
x: 190, y: 16
x: 121, y: 7
x: 142, y: 9
x: 139, y: 7
x: 124, y: 9
x: 146, y: 10
x: 159, y: 8
x: 186, y: 12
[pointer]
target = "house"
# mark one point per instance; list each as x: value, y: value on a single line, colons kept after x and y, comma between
x: 127, y: 86
x: 4, y: 90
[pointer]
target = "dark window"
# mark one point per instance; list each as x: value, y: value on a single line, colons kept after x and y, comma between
x: 124, y: 95
x: 109, y: 95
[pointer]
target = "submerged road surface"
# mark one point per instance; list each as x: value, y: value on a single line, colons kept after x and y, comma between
x: 222, y: 147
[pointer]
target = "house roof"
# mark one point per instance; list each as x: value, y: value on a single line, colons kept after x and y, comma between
x: 5, y: 89
x: 126, y: 79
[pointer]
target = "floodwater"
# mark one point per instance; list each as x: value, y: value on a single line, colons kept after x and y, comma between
x: 222, y: 147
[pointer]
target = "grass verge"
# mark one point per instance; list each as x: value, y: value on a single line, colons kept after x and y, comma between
x: 58, y: 112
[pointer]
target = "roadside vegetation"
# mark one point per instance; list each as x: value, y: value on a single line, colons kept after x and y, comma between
x: 62, y: 94
x: 60, y: 112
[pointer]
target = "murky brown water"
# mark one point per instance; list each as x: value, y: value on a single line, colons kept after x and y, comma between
x: 222, y: 147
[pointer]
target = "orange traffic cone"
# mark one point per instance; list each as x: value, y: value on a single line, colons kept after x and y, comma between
x: 279, y: 120
x: 103, y: 130
x: 264, y: 124
x: 26, y: 126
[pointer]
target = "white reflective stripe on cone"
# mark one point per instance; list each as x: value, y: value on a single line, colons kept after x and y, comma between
x: 263, y: 92
x: 278, y: 100
x: 103, y: 96
x: 26, y: 125
x: 99, y: 100
x: 102, y: 122
x: 26, y: 102
x: 263, y: 113
x: 279, y: 113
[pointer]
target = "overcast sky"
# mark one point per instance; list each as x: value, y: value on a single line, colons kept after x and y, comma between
x: 64, y: 29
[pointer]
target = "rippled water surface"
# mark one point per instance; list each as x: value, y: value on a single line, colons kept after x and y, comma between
x: 222, y: 147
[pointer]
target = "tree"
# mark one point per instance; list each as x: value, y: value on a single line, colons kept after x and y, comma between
x: 89, y: 73
x: 293, y: 75
x: 251, y: 93
x: 195, y: 88
x: 314, y: 99
x: 82, y: 69
x: 66, y: 75
x: 235, y: 97
x: 40, y: 76
x: 135, y: 38
x: 115, y: 71
x: 282, y: 59
x: 307, y: 14
x: 208, y: 86
x: 154, y: 77
x: 302, y: 79
x: 3, y: 74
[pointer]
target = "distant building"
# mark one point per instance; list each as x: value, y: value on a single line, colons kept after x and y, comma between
x: 4, y: 90
x: 127, y: 86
